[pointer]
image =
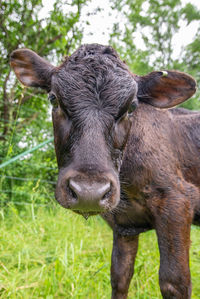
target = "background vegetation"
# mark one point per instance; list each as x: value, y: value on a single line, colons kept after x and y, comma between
x: 47, y: 252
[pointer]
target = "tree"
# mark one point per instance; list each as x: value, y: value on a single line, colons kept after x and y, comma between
x: 154, y: 23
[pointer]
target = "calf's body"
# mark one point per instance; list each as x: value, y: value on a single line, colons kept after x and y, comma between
x: 123, y: 156
x: 160, y: 183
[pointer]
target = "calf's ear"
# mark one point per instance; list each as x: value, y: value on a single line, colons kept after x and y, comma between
x: 165, y: 89
x: 31, y: 69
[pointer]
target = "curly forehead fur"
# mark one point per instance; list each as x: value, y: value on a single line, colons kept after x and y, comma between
x: 94, y: 79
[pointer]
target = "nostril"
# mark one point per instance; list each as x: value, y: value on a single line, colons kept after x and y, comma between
x: 72, y: 190
x: 107, y: 192
x: 72, y: 193
x: 107, y: 195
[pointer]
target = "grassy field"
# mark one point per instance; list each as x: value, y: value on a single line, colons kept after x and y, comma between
x: 54, y: 253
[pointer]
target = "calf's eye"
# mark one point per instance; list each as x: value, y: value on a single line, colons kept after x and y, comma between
x: 53, y: 100
x: 121, y: 130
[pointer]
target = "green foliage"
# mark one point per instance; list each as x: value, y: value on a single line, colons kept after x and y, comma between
x: 191, y: 13
x: 53, y: 253
x: 153, y: 24
x: 190, y: 64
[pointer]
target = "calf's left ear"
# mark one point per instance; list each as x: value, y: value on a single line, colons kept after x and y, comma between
x: 165, y: 89
x: 31, y: 69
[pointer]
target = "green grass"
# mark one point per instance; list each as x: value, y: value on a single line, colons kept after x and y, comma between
x: 54, y: 253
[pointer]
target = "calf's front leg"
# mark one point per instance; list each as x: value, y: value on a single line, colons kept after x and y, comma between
x: 122, y: 268
x: 173, y: 232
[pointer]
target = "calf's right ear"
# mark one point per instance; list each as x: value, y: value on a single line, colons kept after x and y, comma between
x: 31, y: 69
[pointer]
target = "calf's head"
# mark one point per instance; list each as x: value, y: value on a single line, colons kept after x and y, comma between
x: 93, y: 95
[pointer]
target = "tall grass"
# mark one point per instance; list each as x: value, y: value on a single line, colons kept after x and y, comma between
x: 54, y: 253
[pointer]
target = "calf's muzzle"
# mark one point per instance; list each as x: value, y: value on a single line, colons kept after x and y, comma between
x: 89, y: 196
x: 83, y: 193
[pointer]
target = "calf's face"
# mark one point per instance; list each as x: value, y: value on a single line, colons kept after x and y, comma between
x: 93, y: 95
x: 91, y: 124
